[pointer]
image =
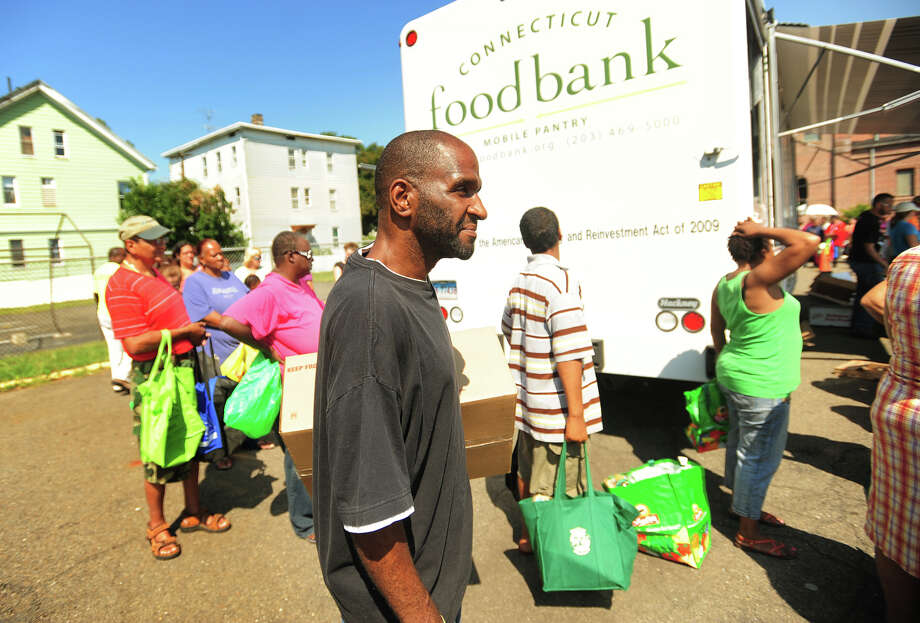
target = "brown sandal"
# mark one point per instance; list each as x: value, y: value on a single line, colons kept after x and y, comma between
x: 208, y: 522
x: 770, y: 547
x: 161, y: 541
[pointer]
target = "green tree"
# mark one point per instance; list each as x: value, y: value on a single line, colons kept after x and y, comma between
x: 855, y: 211
x: 189, y: 211
x: 366, y: 194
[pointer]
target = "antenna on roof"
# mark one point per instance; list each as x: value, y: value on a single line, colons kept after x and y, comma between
x: 208, y: 114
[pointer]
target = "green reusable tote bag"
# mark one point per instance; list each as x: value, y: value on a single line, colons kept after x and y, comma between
x: 674, y: 519
x: 254, y: 404
x: 584, y: 543
x: 171, y: 428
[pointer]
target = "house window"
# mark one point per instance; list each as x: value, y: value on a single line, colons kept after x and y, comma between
x: 332, y: 199
x: 801, y: 186
x: 303, y: 158
x: 17, y: 254
x: 49, y: 192
x: 25, y: 141
x: 306, y: 197
x: 294, y: 201
x: 60, y: 146
x: 204, y: 165
x: 329, y: 161
x: 904, y: 182
x: 292, y: 159
x: 233, y: 154
x: 9, y: 190
x: 123, y: 189
x: 220, y: 166
x: 54, y: 250
x: 335, y: 236
x: 237, y: 192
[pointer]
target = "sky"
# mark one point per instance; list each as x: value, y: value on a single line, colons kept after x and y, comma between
x: 160, y: 74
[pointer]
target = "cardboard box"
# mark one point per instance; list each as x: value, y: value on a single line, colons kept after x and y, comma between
x: 829, y: 316
x: 487, y: 399
x: 296, y: 424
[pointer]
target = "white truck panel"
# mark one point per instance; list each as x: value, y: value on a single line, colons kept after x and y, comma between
x: 618, y: 156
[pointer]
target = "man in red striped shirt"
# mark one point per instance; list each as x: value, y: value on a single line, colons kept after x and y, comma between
x: 142, y: 303
x: 551, y: 362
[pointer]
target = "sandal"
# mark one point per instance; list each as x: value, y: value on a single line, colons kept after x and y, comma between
x: 770, y: 547
x: 766, y: 519
x: 163, y: 545
x: 223, y: 464
x: 208, y: 522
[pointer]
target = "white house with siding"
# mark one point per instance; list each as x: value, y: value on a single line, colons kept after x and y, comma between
x: 278, y: 180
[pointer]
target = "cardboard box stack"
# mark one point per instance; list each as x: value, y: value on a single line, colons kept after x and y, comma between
x: 487, y: 399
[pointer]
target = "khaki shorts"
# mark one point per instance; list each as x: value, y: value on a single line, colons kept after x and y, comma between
x: 153, y: 473
x: 539, y: 460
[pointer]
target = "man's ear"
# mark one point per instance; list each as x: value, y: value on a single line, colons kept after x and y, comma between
x: 402, y: 197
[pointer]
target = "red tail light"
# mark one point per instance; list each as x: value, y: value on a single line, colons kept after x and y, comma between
x: 693, y: 322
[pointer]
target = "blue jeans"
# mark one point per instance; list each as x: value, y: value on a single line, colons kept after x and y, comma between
x: 300, y: 506
x: 868, y: 275
x: 753, y: 449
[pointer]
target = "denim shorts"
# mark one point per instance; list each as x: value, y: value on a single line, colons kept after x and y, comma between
x: 754, y: 448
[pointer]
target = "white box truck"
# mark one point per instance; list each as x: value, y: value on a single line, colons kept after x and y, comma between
x: 648, y: 127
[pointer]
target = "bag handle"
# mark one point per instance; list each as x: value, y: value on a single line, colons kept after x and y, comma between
x: 161, y: 362
x: 560, y: 471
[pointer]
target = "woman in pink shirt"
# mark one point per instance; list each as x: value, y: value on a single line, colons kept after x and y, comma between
x: 281, y: 317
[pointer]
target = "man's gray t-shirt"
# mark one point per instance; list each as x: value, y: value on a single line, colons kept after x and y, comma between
x: 388, y: 438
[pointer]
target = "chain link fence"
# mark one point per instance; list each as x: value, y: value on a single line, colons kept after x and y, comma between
x: 46, y: 293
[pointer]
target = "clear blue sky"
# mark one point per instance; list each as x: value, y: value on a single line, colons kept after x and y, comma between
x: 151, y: 70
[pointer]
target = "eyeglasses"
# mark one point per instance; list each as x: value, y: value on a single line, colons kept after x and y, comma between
x: 307, y: 254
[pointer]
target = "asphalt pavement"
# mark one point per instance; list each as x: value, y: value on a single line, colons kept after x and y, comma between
x: 22, y: 332
x: 72, y: 519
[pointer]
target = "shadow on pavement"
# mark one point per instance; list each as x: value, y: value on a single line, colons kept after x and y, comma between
x: 852, y: 461
x: 857, y: 415
x: 829, y: 581
x: 503, y: 500
x: 530, y: 571
x: 659, y: 431
x: 835, y: 340
x: 861, y: 390
x: 245, y: 485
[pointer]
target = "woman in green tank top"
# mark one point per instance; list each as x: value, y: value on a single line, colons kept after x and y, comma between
x: 758, y: 368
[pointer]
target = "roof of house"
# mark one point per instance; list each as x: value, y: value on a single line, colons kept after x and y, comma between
x: 242, y: 125
x: 37, y: 86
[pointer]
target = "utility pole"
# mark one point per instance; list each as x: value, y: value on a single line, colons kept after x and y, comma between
x: 833, y: 167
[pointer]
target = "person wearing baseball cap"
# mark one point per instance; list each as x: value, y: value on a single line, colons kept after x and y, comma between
x: 903, y: 232
x: 141, y: 304
x: 141, y: 226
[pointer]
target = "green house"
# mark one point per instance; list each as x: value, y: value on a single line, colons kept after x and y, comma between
x: 62, y: 173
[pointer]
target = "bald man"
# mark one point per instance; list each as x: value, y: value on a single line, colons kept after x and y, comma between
x: 392, y: 498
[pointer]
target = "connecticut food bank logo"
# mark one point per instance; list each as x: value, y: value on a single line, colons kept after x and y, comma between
x: 580, y: 540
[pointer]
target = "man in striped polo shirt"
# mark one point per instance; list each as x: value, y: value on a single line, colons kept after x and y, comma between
x: 551, y: 362
x: 142, y: 304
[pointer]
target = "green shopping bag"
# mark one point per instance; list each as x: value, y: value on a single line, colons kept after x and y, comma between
x: 708, y: 417
x: 674, y: 520
x: 254, y: 404
x: 584, y: 543
x: 171, y: 428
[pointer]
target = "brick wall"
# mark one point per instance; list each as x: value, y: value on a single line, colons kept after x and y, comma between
x: 813, y: 162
